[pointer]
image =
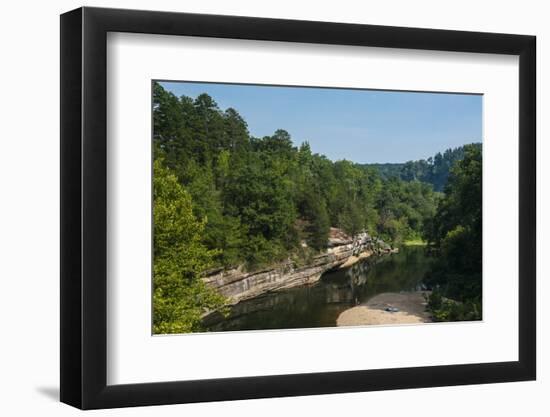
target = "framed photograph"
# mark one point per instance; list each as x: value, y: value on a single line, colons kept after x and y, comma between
x: 257, y: 207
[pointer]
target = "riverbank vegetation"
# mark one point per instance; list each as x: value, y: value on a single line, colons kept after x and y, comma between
x: 415, y: 242
x: 224, y: 198
x: 179, y: 295
x: 455, y: 235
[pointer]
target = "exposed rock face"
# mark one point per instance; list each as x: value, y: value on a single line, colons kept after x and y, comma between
x: 342, y: 249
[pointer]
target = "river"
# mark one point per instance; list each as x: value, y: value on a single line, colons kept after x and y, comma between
x: 320, y: 305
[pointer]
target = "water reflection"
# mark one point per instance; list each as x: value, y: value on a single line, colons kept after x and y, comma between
x: 321, y: 304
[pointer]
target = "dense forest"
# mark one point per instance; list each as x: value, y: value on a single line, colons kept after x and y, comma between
x: 223, y: 198
x: 434, y: 170
x: 455, y: 234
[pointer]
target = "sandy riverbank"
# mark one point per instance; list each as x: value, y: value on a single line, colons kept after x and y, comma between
x: 411, y: 305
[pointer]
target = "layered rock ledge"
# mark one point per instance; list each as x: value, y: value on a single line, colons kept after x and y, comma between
x: 342, y: 251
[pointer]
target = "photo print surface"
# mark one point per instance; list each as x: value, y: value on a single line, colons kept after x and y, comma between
x: 278, y: 207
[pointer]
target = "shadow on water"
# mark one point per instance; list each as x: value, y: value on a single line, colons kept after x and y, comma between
x: 321, y: 304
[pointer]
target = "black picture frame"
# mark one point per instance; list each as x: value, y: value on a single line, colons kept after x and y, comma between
x: 84, y: 207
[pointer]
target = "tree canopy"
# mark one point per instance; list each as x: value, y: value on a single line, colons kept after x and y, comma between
x: 456, y: 234
x: 433, y: 170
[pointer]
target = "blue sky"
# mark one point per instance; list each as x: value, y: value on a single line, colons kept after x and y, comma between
x: 362, y: 126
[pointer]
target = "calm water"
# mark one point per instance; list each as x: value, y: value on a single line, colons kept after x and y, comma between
x: 320, y: 305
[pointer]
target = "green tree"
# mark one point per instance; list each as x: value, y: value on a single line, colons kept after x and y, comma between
x: 180, y: 297
x: 434, y: 170
x: 318, y: 224
x: 456, y: 233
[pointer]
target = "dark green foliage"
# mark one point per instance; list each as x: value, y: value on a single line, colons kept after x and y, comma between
x: 404, y: 208
x: 444, y: 309
x: 258, y: 193
x: 315, y: 212
x: 434, y: 170
x: 456, y: 234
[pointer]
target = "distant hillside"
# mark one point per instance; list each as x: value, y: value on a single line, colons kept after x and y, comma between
x: 434, y: 170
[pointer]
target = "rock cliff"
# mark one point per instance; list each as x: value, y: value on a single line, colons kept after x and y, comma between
x: 342, y: 251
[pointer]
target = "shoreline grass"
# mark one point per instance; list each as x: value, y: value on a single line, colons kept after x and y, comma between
x: 415, y: 242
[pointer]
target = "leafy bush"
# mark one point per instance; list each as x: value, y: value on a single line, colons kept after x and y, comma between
x: 444, y: 309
